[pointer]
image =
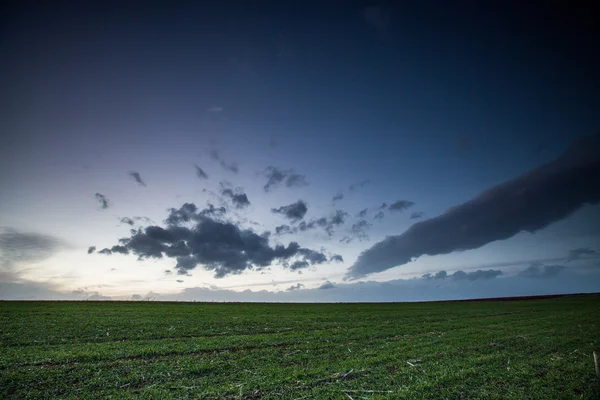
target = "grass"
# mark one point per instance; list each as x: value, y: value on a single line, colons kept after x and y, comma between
x: 534, y: 349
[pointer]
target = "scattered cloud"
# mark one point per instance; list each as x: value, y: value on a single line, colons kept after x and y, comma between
x: 214, y: 244
x: 417, y: 215
x: 476, y: 275
x: 401, y: 205
x: 200, y: 172
x: 527, y: 203
x: 103, y: 200
x: 362, y: 213
x: 336, y: 258
x: 237, y: 197
x: 327, y: 285
x: 276, y: 176
x: 379, y: 216
x: 231, y: 167
x: 297, y: 286
x: 294, y: 212
x: 359, y: 185
x: 339, y: 196
x: 128, y: 221
x: 91, y: 249
x: 137, y: 177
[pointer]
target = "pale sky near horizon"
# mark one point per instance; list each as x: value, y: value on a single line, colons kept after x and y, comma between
x: 369, y: 131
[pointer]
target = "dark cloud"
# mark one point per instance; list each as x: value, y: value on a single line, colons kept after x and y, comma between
x: 476, y: 275
x: 276, y: 176
x: 294, y: 212
x: 338, y: 197
x: 16, y: 247
x: 179, y: 281
x: 379, y: 216
x: 200, y: 172
x: 527, y: 203
x: 401, y: 205
x: 103, y: 200
x: 189, y: 212
x: 437, y: 276
x: 538, y: 271
x: 297, y: 286
x: 283, y: 229
x: 168, y: 272
x: 359, y: 230
x: 299, y: 265
x: 216, y: 245
x: 416, y: 214
x: 336, y: 258
x: 231, y: 167
x: 327, y: 285
x: 362, y: 213
x: 576, y: 254
x: 128, y: 221
x: 91, y: 249
x: 137, y: 177
x: 327, y: 224
x: 237, y: 197
x: 105, y: 251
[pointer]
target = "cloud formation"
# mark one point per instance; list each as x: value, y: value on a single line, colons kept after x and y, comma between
x: 276, y: 176
x: 91, y: 249
x: 576, y: 254
x: 103, y: 200
x: 527, y: 203
x: 294, y: 212
x: 137, y: 177
x: 401, y: 205
x: 539, y: 271
x: 417, y: 215
x: 297, y: 286
x: 16, y: 247
x: 200, y: 172
x: 212, y: 243
x: 237, y: 197
x: 231, y: 167
x: 128, y: 221
x: 327, y: 285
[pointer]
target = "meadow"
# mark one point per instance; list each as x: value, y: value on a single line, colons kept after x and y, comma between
x: 523, y: 349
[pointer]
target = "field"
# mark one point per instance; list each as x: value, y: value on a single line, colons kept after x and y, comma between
x: 525, y: 349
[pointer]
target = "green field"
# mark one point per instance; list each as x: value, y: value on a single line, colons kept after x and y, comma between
x: 534, y: 349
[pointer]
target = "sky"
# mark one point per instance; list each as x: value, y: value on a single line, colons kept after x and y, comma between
x: 298, y: 151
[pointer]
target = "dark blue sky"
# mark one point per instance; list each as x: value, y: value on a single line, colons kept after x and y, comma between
x: 432, y: 103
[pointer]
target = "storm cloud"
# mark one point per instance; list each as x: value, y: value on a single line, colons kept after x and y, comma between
x: 103, y: 200
x: 527, y: 203
x: 276, y: 176
x: 294, y: 212
x: 137, y: 177
x: 214, y: 244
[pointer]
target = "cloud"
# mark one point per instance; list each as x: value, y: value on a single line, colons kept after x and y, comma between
x: 299, y: 265
x: 359, y: 231
x: 128, y: 221
x: 527, y: 203
x: 338, y: 197
x: 189, y: 212
x: 179, y: 281
x: 327, y: 285
x: 137, y: 177
x: 283, y: 229
x: 231, y: 167
x: 294, y: 212
x: 379, y: 216
x: 576, y: 254
x: 91, y: 249
x: 362, y: 213
x: 136, y: 297
x: 214, y: 109
x: 354, y: 187
x: 416, y: 215
x: 276, y: 176
x: 336, y: 258
x: 103, y: 200
x: 401, y: 205
x: 327, y: 224
x: 476, y: 275
x: 538, y: 271
x: 238, y: 198
x: 214, y: 244
x: 17, y: 247
x: 297, y: 286
x: 200, y: 172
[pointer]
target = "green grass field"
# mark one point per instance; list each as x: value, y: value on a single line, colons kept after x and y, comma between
x: 534, y: 349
